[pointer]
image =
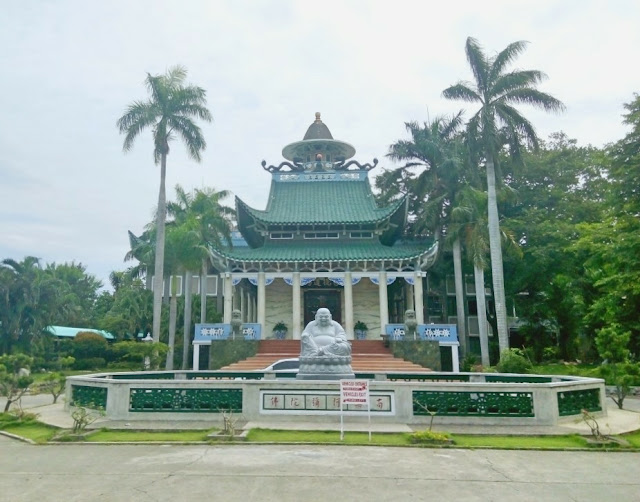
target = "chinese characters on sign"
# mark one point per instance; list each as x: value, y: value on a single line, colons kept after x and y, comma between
x: 379, y: 402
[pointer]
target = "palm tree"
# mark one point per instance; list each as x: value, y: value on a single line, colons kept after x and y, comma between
x: 168, y: 113
x: 471, y: 227
x: 436, y: 147
x: 497, y: 91
x: 202, y: 213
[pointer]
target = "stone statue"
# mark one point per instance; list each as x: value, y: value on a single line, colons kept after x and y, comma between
x: 236, y: 323
x: 325, y: 352
x: 410, y: 325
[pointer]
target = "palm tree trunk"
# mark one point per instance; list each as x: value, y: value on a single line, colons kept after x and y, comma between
x: 460, y: 310
x: 203, y: 292
x: 478, y: 275
x: 173, y: 315
x: 495, y: 245
x: 186, y: 338
x: 159, y: 265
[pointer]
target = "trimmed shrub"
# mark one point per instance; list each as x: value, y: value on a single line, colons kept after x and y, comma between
x: 513, y: 361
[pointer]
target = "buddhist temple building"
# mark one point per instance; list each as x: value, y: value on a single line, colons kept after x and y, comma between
x: 321, y: 241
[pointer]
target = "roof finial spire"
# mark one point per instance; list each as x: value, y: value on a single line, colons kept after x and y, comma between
x: 318, y: 117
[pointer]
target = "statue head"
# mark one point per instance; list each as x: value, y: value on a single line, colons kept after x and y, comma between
x: 410, y: 314
x: 236, y: 315
x: 323, y: 316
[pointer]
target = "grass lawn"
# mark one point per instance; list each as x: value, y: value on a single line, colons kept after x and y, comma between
x: 40, y: 433
x: 520, y: 442
x: 168, y: 436
x: 633, y: 438
x: 320, y: 437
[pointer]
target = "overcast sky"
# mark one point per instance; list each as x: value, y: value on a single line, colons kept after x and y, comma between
x: 70, y: 68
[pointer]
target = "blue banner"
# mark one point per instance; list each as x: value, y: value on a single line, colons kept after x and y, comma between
x: 436, y: 332
x: 205, y: 333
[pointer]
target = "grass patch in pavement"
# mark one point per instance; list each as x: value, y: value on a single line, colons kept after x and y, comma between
x: 633, y: 438
x: 323, y: 437
x: 520, y: 442
x: 36, y: 431
x: 168, y: 436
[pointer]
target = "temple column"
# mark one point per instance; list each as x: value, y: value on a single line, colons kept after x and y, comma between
x: 295, y: 286
x: 262, y: 301
x: 243, y: 305
x: 348, y: 305
x: 384, y: 303
x: 418, y: 298
x: 228, y: 299
x: 409, y: 292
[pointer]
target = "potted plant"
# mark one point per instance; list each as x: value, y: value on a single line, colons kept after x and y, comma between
x: 280, y: 330
x: 361, y: 330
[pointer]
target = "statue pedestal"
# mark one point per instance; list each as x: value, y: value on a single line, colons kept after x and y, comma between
x: 325, y: 368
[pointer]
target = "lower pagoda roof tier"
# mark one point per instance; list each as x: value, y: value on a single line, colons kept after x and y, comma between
x: 421, y: 253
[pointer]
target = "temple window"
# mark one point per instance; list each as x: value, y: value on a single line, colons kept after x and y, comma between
x: 281, y: 235
x: 361, y: 235
x: 321, y: 235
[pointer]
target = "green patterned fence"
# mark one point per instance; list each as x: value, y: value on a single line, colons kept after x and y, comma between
x: 89, y: 397
x: 186, y: 400
x: 572, y: 402
x: 479, y: 404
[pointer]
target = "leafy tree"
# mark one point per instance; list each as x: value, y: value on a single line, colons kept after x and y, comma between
x: 78, y: 292
x: 88, y: 345
x: 610, y: 247
x: 497, y: 91
x: 558, y: 187
x: 13, y: 384
x: 29, y: 300
x: 54, y: 384
x: 169, y: 112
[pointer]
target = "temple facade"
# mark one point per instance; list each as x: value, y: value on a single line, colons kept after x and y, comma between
x: 322, y: 241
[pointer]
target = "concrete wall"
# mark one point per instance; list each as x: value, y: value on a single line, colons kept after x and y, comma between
x: 545, y: 397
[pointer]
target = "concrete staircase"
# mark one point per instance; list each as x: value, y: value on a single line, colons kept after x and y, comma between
x: 367, y: 356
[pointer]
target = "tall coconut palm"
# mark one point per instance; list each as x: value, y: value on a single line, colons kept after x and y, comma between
x: 436, y: 148
x: 497, y: 91
x: 168, y: 113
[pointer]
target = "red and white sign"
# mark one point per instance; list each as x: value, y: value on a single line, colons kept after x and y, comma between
x: 354, y: 392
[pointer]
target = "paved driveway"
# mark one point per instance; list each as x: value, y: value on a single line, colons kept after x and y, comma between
x: 309, y: 473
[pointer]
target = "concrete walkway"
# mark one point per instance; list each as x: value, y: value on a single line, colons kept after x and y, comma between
x: 616, y: 422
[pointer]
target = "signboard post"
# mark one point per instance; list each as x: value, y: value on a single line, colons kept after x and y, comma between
x: 354, y: 392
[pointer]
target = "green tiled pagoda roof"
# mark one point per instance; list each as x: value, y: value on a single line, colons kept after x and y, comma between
x: 321, y: 202
x: 323, y: 251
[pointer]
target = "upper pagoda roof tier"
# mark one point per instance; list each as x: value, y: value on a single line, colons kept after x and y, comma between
x: 318, y: 141
x: 321, y: 198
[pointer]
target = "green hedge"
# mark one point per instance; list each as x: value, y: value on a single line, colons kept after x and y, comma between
x: 225, y: 352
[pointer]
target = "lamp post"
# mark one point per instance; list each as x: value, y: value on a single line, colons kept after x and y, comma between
x: 147, y: 359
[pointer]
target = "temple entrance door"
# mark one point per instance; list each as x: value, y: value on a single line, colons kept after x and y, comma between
x: 326, y: 298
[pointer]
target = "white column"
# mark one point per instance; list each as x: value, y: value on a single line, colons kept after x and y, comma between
x: 384, y: 305
x: 262, y: 300
x: 348, y: 305
x: 196, y: 356
x: 228, y: 299
x: 243, y: 305
x: 454, y: 359
x: 254, y: 309
x: 418, y: 299
x: 408, y: 294
x: 295, y: 304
